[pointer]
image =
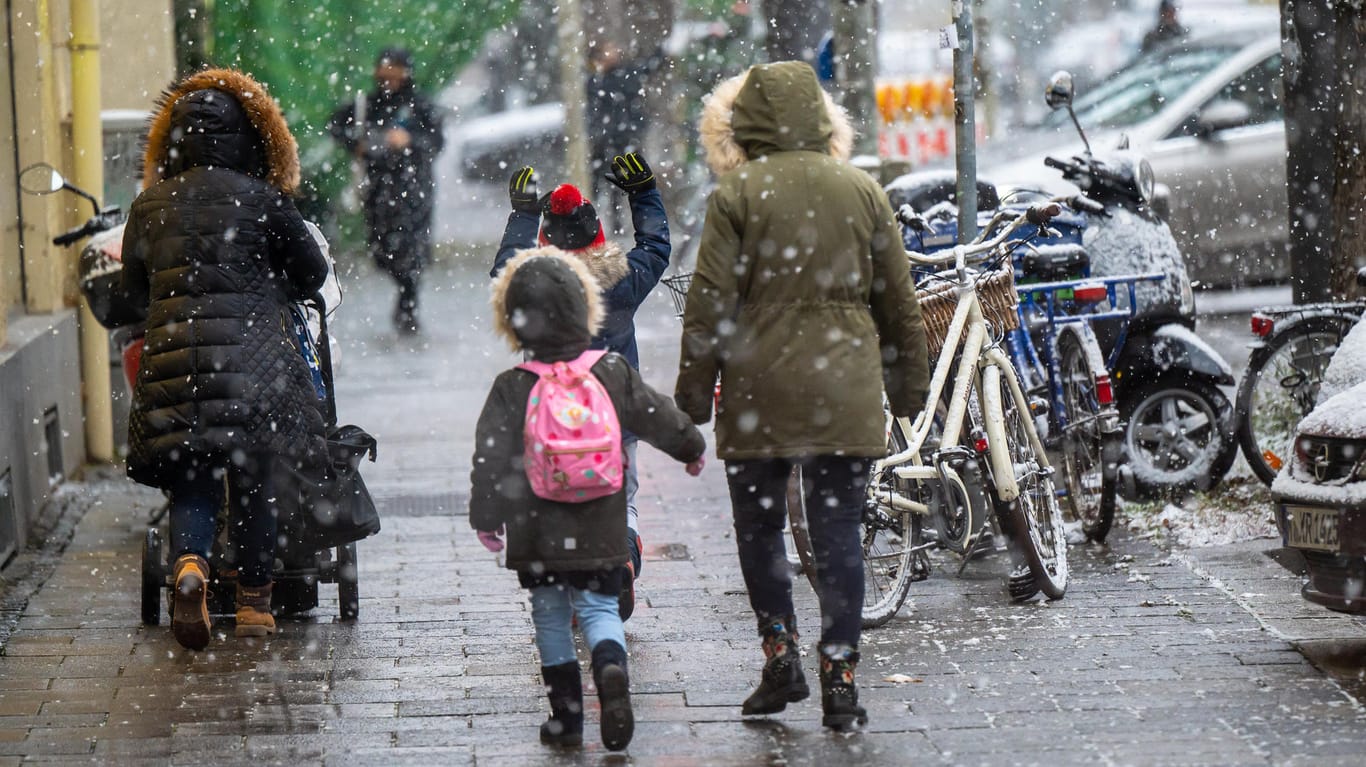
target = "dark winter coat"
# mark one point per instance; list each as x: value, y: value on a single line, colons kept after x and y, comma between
x: 627, y: 279
x: 400, y: 185
x: 802, y: 300
x: 214, y: 252
x: 556, y: 302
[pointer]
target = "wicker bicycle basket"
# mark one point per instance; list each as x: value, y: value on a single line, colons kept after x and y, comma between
x: 996, y: 292
x: 678, y: 285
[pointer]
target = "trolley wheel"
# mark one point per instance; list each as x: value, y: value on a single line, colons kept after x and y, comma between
x: 348, y: 582
x: 153, y: 577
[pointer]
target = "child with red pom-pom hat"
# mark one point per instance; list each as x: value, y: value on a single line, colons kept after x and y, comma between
x: 566, y: 219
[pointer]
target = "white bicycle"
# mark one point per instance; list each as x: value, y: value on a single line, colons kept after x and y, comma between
x: 974, y: 446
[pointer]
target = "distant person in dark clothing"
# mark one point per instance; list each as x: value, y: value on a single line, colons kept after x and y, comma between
x: 616, y: 115
x: 1168, y: 27
x: 395, y: 132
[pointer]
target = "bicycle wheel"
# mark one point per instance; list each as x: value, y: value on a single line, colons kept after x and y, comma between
x: 1088, y: 481
x: 1032, y: 522
x: 1280, y: 387
x: 892, y: 539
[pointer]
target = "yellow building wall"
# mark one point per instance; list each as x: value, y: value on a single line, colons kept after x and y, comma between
x: 137, y: 54
x: 137, y: 61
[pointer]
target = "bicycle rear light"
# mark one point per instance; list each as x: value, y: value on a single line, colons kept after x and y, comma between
x: 1089, y: 294
x: 1104, y: 394
x: 1262, y: 325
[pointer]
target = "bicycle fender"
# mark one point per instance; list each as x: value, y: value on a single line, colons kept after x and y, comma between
x: 1175, y: 348
x: 1002, y: 467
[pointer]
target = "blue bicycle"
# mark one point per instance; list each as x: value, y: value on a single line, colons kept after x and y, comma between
x: 1055, y: 349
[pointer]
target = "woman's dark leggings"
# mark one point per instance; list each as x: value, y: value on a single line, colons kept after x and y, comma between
x: 834, y: 487
x: 195, y: 503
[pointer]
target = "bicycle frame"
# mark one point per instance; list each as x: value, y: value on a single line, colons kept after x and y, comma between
x: 980, y: 361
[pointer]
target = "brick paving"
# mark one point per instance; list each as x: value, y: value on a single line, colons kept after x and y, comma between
x: 1152, y: 658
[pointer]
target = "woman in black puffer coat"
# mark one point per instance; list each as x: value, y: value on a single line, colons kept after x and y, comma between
x: 216, y: 252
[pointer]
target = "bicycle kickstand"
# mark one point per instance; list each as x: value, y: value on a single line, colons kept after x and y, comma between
x: 979, y: 544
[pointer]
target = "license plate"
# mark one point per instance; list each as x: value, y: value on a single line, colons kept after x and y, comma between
x: 1312, y: 528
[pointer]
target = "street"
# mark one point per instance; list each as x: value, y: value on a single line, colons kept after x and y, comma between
x: 1199, y: 656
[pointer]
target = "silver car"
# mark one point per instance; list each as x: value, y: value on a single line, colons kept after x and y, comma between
x: 1207, y: 113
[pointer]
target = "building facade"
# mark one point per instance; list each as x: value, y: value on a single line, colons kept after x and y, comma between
x: 42, y: 385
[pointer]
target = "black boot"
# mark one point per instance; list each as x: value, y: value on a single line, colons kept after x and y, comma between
x: 564, y: 687
x: 783, y: 681
x: 614, y: 694
x: 839, y: 694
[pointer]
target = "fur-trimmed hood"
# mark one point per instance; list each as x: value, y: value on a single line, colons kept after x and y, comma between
x: 607, y: 262
x: 547, y: 302
x: 771, y: 108
x: 192, y: 126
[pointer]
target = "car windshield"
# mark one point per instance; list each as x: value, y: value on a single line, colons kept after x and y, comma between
x: 1142, y: 89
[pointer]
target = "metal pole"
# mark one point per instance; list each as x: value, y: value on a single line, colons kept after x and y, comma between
x: 964, y: 122
x: 573, y: 93
x: 87, y: 139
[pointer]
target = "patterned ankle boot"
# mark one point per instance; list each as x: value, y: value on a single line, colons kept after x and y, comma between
x: 839, y: 694
x: 783, y: 681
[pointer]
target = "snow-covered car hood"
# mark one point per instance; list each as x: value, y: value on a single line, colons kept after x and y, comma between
x: 1341, y: 416
x: 1347, y: 368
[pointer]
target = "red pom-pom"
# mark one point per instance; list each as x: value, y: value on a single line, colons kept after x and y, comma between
x: 565, y: 199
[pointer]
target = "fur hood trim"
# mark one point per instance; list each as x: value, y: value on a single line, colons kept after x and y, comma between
x: 502, y: 321
x: 282, y: 153
x: 607, y: 262
x: 724, y: 153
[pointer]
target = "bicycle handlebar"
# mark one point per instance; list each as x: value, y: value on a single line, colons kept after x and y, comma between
x: 1038, y: 215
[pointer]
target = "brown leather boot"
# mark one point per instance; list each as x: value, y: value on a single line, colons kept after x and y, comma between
x: 190, y: 622
x: 253, y: 611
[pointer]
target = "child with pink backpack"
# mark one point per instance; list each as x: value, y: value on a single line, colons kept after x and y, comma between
x: 548, y: 475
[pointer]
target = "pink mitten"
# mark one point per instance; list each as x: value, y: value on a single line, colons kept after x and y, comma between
x: 492, y: 539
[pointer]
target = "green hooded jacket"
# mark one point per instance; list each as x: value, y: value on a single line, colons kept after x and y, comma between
x: 802, y: 301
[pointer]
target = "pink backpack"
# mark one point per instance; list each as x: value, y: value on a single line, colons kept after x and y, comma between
x: 572, y: 436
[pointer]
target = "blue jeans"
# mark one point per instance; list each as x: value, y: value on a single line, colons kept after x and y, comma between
x: 552, y: 611
x: 195, y: 504
x: 834, y: 487
x: 628, y: 447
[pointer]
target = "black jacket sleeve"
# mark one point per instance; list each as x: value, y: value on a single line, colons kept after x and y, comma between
x: 293, y: 251
x: 650, y: 415
x: 497, y: 440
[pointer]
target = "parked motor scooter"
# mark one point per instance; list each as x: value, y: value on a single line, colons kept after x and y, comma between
x: 101, y: 263
x: 1178, y: 423
x: 1178, y: 432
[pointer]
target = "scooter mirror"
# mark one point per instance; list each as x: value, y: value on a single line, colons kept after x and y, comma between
x: 1059, y: 90
x: 41, y: 178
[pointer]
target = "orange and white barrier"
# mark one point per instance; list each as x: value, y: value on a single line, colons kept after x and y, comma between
x: 916, y: 123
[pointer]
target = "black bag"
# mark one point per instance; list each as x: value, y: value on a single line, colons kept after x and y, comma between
x: 334, y: 508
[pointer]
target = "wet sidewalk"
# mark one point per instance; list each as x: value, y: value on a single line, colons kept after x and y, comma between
x: 1150, y: 659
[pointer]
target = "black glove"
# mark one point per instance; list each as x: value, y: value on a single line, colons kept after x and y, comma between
x: 631, y: 173
x: 522, y: 191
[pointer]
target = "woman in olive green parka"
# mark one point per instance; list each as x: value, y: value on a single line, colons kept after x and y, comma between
x: 803, y: 306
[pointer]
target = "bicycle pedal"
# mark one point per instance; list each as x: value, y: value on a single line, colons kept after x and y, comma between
x: 1039, y: 406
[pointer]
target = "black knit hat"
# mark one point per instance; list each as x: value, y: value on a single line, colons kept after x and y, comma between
x: 571, y: 222
x: 399, y: 57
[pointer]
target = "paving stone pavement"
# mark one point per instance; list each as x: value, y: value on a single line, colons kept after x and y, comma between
x: 1152, y: 657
